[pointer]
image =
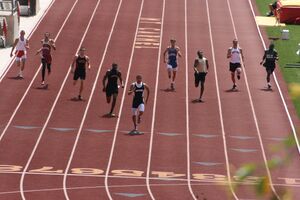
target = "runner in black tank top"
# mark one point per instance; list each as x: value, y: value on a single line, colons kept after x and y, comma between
x: 79, y: 65
x: 111, y: 89
x: 269, y: 62
x: 138, y: 104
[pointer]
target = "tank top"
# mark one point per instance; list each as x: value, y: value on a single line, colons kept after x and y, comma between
x: 235, y: 55
x: 172, y: 54
x: 81, y: 62
x: 139, y: 91
x: 113, y: 76
x: 46, y: 48
x: 21, y: 45
x: 202, y: 67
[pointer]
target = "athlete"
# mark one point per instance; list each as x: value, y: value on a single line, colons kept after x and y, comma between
x: 172, y: 53
x: 111, y: 89
x: 138, y: 104
x: 21, y: 45
x: 269, y: 62
x: 45, y: 52
x: 201, y: 68
x: 235, y: 53
x: 79, y: 65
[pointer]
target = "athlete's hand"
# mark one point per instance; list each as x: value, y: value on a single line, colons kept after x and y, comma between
x: 11, y: 55
x: 261, y: 63
x: 72, y: 71
x: 104, y: 89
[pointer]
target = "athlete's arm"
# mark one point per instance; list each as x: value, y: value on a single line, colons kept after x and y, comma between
x: 38, y: 51
x: 88, y: 63
x: 179, y: 52
x: 14, y: 46
x: 207, y: 65
x: 27, y: 44
x: 131, y: 89
x: 242, y: 55
x: 263, y: 59
x: 148, y: 92
x: 52, y: 43
x: 73, y: 64
x: 104, y: 80
x: 229, y: 53
x: 196, y: 63
x: 121, y: 80
x: 165, y: 59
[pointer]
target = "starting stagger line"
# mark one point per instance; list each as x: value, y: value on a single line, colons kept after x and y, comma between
x: 220, y: 104
x: 277, y: 84
x: 121, y: 106
x: 53, y: 106
x: 90, y: 100
x: 31, y: 33
x: 253, y: 110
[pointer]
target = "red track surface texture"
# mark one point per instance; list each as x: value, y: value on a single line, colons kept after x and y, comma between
x: 54, y: 148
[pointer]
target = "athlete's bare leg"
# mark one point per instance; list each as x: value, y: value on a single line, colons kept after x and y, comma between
x: 233, y: 77
x: 134, y: 122
x: 81, y: 87
x: 108, y: 99
x: 174, y: 76
x: 139, y: 117
x: 201, y: 91
x: 113, y: 103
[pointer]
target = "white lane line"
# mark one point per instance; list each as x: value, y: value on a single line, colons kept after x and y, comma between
x: 155, y: 102
x: 253, y: 109
x: 90, y: 100
x: 220, y: 104
x: 187, y: 104
x: 277, y: 83
x: 52, y: 109
x: 30, y: 85
x: 29, y: 36
x: 121, y: 106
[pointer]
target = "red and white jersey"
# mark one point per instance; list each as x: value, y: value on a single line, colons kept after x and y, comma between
x: 235, y: 55
x: 46, y: 48
x: 21, y: 45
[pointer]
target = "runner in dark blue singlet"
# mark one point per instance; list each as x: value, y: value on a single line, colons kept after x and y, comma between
x: 170, y: 57
x: 111, y: 89
x: 138, y: 103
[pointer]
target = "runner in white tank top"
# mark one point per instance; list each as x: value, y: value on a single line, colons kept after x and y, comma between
x: 201, y: 69
x: 21, y: 45
x: 235, y: 54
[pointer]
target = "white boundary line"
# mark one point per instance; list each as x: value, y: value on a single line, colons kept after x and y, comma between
x: 187, y: 104
x: 29, y: 36
x: 253, y: 109
x: 31, y: 83
x: 277, y: 83
x: 154, y: 103
x: 53, y: 107
x: 220, y: 104
x: 121, y: 106
x: 89, y: 101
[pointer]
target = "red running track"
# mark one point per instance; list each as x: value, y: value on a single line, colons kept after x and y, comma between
x: 54, y: 148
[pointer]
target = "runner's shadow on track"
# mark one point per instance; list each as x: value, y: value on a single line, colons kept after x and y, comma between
x: 109, y: 116
x: 196, y: 101
x: 231, y: 90
x: 15, y: 78
x: 42, y: 87
x: 168, y: 90
x: 75, y: 99
x: 266, y: 90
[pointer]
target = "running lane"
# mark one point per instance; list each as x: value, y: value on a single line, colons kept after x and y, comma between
x: 242, y: 134
x: 272, y: 118
x: 208, y: 163
x: 61, y: 130
x: 20, y: 137
x: 96, y: 137
x: 169, y: 147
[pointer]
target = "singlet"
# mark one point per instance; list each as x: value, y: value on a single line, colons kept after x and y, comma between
x: 202, y: 66
x: 112, y: 76
x: 172, y: 54
x: 139, y: 92
x: 21, y: 45
x: 270, y: 57
x: 81, y: 62
x: 235, y: 55
x: 46, y: 48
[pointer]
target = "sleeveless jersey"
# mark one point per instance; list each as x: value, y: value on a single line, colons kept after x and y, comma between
x: 172, y: 55
x: 81, y: 62
x: 202, y: 66
x: 112, y: 76
x: 139, y: 92
x: 270, y: 57
x: 46, y: 51
x: 235, y: 55
x: 21, y: 45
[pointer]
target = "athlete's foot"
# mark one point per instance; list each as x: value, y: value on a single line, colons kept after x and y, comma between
x: 269, y: 86
x: 80, y: 98
x: 234, y: 87
x: 43, y: 82
x: 238, y: 77
x: 200, y: 100
x: 172, y: 86
x: 111, y: 114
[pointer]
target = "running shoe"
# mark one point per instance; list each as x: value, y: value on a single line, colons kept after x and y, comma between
x: 234, y: 87
x: 269, y: 86
x: 80, y: 98
x: 238, y: 77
